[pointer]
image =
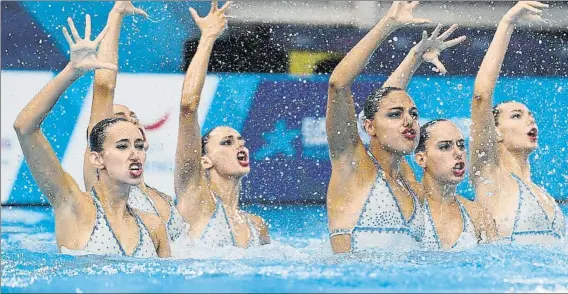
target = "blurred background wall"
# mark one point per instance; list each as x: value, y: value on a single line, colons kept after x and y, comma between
x: 268, y: 79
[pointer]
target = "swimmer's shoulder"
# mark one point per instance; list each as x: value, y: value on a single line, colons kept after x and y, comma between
x: 258, y: 221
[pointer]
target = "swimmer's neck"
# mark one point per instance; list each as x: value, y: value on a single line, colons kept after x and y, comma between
x: 389, y: 161
x: 437, y: 191
x: 228, y: 189
x: 114, y: 195
x: 516, y: 163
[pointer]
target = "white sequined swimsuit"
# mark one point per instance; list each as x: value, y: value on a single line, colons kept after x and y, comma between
x: 467, y: 239
x: 532, y: 225
x: 103, y: 241
x: 381, y: 224
x: 218, y: 232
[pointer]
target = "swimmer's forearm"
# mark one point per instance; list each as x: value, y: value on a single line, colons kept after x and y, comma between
x: 30, y: 118
x: 355, y: 61
x: 196, y: 73
x: 491, y: 65
x: 404, y: 72
x: 483, y: 147
x: 105, y: 80
x: 188, y: 150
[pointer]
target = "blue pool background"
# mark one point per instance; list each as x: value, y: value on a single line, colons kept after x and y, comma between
x: 299, y: 260
x: 277, y: 140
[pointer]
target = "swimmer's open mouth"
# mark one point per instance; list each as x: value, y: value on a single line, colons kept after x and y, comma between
x: 459, y: 169
x: 242, y: 158
x: 409, y: 134
x: 533, y: 134
x: 135, y: 169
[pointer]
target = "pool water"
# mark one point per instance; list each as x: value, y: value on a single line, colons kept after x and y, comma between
x: 298, y: 260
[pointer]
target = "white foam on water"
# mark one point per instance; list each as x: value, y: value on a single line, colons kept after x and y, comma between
x: 23, y: 216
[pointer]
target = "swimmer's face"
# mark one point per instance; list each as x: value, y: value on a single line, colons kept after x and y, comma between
x: 444, y: 156
x: 123, y: 154
x: 122, y: 111
x: 517, y: 128
x: 395, y: 125
x: 226, y: 153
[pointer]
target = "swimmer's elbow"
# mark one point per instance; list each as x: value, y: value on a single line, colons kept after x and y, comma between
x: 337, y: 83
x: 482, y: 92
x: 24, y: 128
x: 189, y: 104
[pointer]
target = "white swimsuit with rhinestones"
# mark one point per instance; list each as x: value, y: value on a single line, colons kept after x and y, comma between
x: 532, y: 225
x: 104, y: 242
x: 467, y: 239
x: 381, y: 224
x: 218, y: 231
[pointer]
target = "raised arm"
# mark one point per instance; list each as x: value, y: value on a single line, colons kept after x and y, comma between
x: 341, y: 125
x: 42, y: 161
x: 105, y: 80
x: 428, y: 49
x: 483, y: 134
x: 189, y: 175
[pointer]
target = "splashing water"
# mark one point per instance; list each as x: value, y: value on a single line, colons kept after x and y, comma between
x: 299, y: 259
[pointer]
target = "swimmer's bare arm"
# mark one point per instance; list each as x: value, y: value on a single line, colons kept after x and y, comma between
x: 341, y: 126
x: 61, y: 191
x: 428, y: 49
x: 484, y: 153
x: 105, y: 80
x: 190, y: 182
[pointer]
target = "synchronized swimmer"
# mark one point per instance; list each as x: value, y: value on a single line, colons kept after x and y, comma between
x: 374, y: 200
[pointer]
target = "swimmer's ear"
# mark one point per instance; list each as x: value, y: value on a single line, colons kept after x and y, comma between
x: 420, y: 158
x: 96, y: 160
x: 206, y: 162
x: 369, y: 127
x: 499, y: 135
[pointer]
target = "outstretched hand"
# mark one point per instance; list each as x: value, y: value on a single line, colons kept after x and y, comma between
x: 525, y: 10
x: 126, y: 8
x: 430, y: 48
x: 400, y: 13
x: 84, y: 51
x: 215, y: 22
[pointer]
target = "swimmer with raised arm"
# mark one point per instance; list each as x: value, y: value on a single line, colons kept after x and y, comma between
x: 370, y: 201
x: 99, y: 221
x: 502, y: 138
x: 428, y: 49
x: 209, y: 169
x: 143, y: 197
x: 451, y: 221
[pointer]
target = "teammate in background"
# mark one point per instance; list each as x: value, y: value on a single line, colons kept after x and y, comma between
x: 451, y: 221
x: 209, y: 169
x: 502, y: 138
x: 142, y: 197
